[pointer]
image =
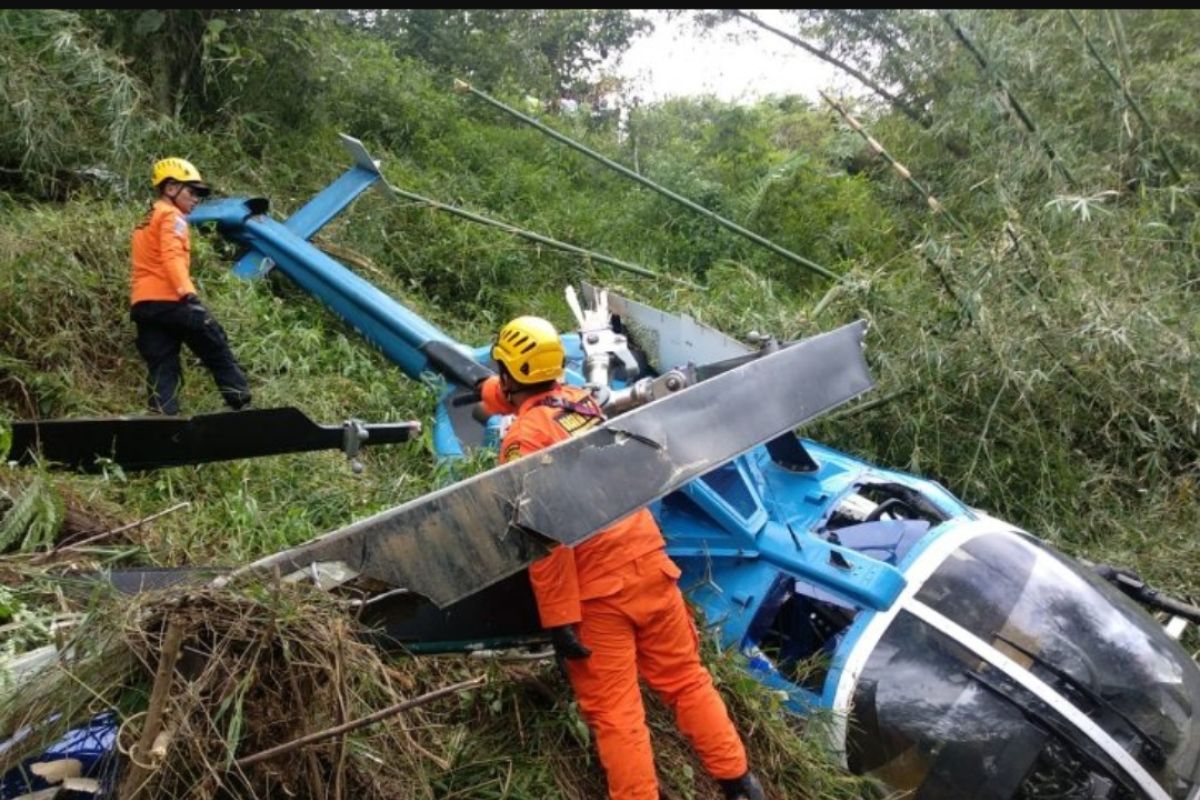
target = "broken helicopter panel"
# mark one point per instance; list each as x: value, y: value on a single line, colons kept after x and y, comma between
x: 959, y: 656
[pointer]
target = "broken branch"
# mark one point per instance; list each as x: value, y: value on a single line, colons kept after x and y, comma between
x: 138, y: 772
x: 123, y: 528
x: 363, y: 722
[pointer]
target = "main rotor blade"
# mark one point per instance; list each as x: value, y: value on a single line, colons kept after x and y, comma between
x: 465, y: 537
x: 140, y: 443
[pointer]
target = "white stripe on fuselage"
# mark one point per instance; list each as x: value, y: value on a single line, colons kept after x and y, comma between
x: 915, y: 576
x: 1044, y: 692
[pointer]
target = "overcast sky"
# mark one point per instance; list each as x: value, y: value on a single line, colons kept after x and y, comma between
x: 738, y: 61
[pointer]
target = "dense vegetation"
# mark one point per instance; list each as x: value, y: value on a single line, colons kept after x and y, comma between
x: 1034, y: 343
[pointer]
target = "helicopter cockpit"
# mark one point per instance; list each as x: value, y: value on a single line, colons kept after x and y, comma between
x: 1014, y: 673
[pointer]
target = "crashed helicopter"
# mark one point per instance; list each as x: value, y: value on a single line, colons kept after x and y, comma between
x: 959, y: 656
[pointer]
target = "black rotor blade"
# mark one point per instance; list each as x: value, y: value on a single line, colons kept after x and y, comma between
x: 141, y: 443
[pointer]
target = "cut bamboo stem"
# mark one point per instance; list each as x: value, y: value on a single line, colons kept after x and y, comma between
x: 139, y: 768
x: 362, y: 722
x: 934, y: 205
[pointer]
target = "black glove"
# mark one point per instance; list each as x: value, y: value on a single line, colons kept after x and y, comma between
x: 566, y: 643
x: 191, y: 299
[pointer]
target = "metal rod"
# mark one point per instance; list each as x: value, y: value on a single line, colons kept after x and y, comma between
x: 462, y: 86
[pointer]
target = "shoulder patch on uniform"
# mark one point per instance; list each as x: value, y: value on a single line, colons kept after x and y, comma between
x: 511, y: 453
x: 573, y: 422
x: 180, y: 226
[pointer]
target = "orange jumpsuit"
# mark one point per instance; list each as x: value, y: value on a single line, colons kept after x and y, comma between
x: 620, y: 588
x: 161, y: 256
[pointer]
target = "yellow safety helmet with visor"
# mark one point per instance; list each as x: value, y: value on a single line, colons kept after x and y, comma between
x: 180, y: 170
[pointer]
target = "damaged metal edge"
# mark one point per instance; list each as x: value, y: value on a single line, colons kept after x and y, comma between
x: 465, y: 537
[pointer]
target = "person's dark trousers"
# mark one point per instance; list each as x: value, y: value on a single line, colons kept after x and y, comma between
x: 162, y: 326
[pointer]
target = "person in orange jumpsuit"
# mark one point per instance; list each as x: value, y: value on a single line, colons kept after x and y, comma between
x: 163, y: 301
x: 611, y: 604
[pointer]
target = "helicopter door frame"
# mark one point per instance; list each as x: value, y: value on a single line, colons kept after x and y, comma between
x: 868, y: 629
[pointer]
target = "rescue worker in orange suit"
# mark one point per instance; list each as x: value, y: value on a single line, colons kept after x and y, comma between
x: 611, y: 604
x: 163, y: 301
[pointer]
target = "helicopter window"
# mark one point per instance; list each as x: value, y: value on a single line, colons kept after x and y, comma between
x: 881, y: 520
x: 875, y: 502
x: 729, y: 483
x: 1084, y: 638
x: 931, y: 720
x: 1059, y: 772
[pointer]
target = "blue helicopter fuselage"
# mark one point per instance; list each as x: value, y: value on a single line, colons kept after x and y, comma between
x: 976, y: 659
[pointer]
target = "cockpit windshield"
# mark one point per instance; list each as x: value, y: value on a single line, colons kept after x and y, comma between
x: 936, y: 714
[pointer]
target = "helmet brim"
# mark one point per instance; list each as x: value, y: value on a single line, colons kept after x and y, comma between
x: 199, y: 188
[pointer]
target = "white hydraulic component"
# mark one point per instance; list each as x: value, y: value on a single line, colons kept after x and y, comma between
x: 601, y: 345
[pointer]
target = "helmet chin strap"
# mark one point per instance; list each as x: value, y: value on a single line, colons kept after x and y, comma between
x: 510, y: 386
x: 178, y: 188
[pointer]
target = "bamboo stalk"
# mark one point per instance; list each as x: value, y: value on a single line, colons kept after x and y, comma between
x: 464, y: 87
x: 986, y: 68
x: 139, y: 770
x: 339, y: 688
x: 870, y: 404
x: 920, y: 117
x: 1133, y: 104
x: 362, y: 722
x: 1118, y: 31
x: 120, y: 529
x: 877, y: 33
x: 900, y: 169
x: 537, y: 237
x: 310, y: 760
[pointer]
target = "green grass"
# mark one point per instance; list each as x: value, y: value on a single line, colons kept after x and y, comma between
x: 1043, y: 367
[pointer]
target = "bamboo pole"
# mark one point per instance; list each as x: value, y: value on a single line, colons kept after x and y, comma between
x: 537, y: 237
x: 870, y: 404
x: 920, y: 117
x: 1133, y: 104
x: 935, y: 206
x: 1118, y: 31
x: 362, y: 722
x: 139, y: 770
x: 462, y: 87
x: 879, y: 34
x: 986, y: 68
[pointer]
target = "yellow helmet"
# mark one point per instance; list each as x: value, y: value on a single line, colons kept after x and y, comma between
x: 529, y: 348
x: 180, y: 170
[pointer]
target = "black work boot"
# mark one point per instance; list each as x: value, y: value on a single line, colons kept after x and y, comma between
x: 746, y: 787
